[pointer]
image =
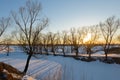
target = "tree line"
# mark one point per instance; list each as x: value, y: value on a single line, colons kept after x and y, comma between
x: 29, y: 34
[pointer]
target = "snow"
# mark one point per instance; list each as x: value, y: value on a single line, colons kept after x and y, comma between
x: 59, y: 50
x: 62, y: 68
x: 38, y: 69
x: 79, y: 70
x: 82, y: 50
x: 26, y: 77
x: 97, y: 48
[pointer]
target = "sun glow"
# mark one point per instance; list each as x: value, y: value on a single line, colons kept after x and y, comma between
x: 87, y: 38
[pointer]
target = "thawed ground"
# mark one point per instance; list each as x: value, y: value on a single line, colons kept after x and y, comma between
x: 50, y: 68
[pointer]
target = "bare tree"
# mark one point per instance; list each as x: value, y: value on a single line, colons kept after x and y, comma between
x: 40, y: 45
x: 118, y: 38
x: 108, y: 29
x: 64, y: 41
x: 92, y: 35
x: 4, y: 23
x: 50, y: 41
x: 7, y: 42
x: 52, y: 38
x: 30, y: 26
x: 75, y: 39
x: 58, y: 41
x: 45, y: 42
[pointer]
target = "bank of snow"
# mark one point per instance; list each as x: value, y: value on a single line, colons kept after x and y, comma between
x: 79, y: 70
x: 51, y: 67
x: 38, y: 69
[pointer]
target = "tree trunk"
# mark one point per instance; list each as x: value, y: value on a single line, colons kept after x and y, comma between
x: 40, y: 49
x: 46, y: 50
x: 27, y: 63
x: 77, y: 52
x: 8, y: 50
x: 64, y: 51
x: 53, y: 50
x: 89, y: 53
x: 106, y: 51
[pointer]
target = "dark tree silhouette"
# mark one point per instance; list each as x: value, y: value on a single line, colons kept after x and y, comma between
x: 93, y: 32
x: 75, y: 39
x: 52, y: 38
x: 108, y: 29
x: 64, y: 41
x: 30, y: 25
x: 7, y: 42
x: 4, y: 23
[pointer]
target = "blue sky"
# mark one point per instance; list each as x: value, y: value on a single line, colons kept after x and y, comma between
x: 64, y: 14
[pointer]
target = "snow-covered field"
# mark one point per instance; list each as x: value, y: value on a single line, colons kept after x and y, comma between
x: 79, y: 70
x: 51, y: 67
x: 38, y: 68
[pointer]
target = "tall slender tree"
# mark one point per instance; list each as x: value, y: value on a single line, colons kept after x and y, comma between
x: 4, y: 23
x: 91, y: 37
x: 30, y: 25
x: 75, y: 39
x: 52, y: 38
x: 108, y: 29
x: 64, y: 41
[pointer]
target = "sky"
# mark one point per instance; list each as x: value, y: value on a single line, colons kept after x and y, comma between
x: 65, y: 14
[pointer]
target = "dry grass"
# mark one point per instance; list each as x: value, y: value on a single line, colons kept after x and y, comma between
x: 114, y: 50
x: 10, y: 72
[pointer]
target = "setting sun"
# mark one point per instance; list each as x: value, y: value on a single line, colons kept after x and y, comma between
x: 87, y: 38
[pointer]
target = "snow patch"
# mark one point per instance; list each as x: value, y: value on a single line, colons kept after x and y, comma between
x: 26, y: 77
x: 97, y: 48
